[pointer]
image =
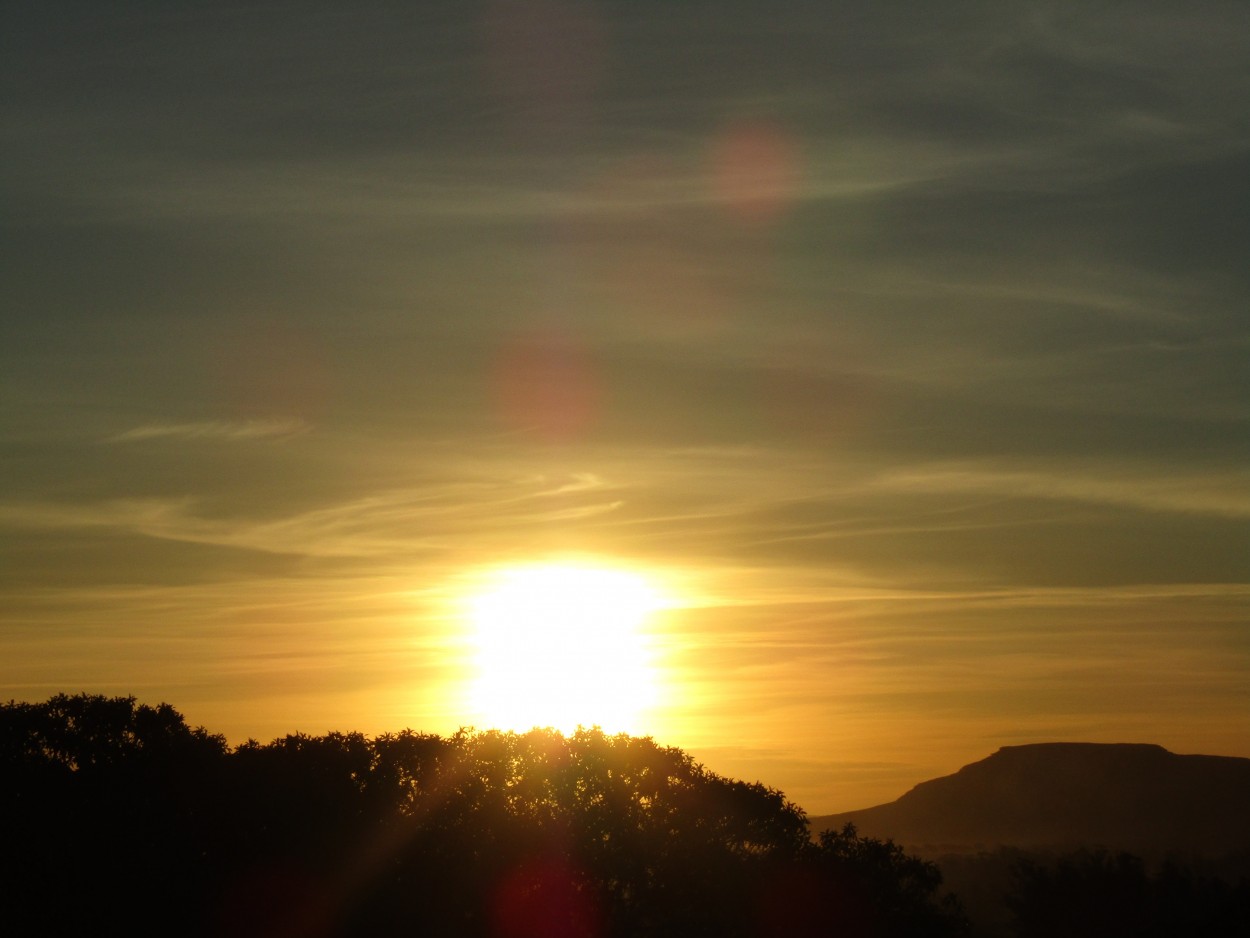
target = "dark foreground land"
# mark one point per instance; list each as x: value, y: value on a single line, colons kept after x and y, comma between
x: 118, y: 818
x: 1080, y: 838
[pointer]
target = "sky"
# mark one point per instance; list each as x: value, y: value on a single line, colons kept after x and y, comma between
x: 903, y: 347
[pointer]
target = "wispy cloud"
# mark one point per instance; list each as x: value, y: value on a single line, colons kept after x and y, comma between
x: 225, y: 430
x: 451, y: 515
x: 1222, y: 492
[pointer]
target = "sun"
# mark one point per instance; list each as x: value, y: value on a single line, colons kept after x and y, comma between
x: 562, y: 645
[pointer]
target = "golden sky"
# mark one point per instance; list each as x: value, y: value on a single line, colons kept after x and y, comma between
x: 901, y: 348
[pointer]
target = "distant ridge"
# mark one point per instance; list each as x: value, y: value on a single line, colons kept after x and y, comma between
x: 1125, y: 796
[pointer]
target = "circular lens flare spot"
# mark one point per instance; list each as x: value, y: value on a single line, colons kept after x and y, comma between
x: 755, y: 172
x: 545, y: 384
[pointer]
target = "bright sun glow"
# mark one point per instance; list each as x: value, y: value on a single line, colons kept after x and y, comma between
x: 563, y: 645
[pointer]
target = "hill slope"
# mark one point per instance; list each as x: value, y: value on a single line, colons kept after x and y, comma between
x: 1134, y: 797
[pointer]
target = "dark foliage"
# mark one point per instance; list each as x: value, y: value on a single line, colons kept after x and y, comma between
x: 117, y: 818
x: 1109, y: 895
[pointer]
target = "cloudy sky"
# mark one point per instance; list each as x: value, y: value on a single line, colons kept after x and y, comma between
x: 906, y: 344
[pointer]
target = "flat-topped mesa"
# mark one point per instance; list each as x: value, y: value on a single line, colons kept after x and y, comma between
x: 1095, y: 749
x: 1134, y: 796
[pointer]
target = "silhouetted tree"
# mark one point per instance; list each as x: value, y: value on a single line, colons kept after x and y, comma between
x: 118, y: 818
x: 896, y: 893
x: 102, y: 809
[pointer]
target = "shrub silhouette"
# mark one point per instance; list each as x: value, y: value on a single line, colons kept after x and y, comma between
x: 119, y: 818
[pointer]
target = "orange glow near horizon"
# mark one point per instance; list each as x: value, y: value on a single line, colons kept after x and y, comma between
x: 562, y: 645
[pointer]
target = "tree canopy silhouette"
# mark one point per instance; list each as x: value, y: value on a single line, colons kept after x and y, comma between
x: 118, y: 817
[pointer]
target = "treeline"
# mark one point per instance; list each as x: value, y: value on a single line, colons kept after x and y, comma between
x: 118, y: 818
x: 1094, y: 892
x: 1099, y: 892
